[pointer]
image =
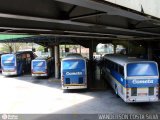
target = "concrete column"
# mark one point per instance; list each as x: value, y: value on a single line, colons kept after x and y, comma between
x: 57, y: 61
x: 90, y: 66
x: 91, y: 50
x: 149, y: 52
x: 80, y: 49
x: 51, y: 52
x: 114, y: 48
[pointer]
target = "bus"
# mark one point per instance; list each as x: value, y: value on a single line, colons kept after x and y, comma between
x: 133, y: 79
x: 42, y: 66
x: 0, y: 60
x: 17, y: 63
x: 74, y: 72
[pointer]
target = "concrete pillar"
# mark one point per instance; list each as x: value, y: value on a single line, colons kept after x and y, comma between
x: 90, y: 66
x: 57, y: 61
x: 79, y: 49
x: 91, y: 50
x: 149, y: 50
x: 114, y: 48
x: 51, y: 52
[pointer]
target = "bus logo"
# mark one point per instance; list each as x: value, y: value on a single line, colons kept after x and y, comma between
x: 142, y: 81
x: 73, y: 73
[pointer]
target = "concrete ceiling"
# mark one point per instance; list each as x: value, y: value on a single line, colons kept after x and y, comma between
x: 85, y: 19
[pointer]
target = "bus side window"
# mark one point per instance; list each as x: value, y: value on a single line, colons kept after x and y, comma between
x: 121, y: 70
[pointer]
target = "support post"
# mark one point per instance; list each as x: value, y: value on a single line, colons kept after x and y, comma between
x: 51, y: 52
x: 149, y: 50
x: 90, y: 76
x: 57, y: 61
x: 114, y: 48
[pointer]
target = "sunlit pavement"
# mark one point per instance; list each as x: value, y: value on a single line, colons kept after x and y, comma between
x: 40, y: 96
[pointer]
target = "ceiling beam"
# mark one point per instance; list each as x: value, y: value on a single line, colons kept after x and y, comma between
x: 87, y: 15
x: 110, y: 10
x: 69, y: 22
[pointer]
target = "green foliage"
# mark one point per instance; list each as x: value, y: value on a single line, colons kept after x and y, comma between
x: 40, y: 48
x: 11, y: 47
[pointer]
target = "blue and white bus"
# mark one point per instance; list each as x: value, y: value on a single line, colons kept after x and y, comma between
x: 0, y: 60
x: 42, y: 66
x: 74, y: 72
x: 134, y: 80
x: 17, y: 63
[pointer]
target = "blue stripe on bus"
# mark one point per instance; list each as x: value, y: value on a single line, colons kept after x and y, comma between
x: 142, y: 83
x: 139, y: 83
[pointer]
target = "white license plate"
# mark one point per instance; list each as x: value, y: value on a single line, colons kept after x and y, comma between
x: 142, y: 94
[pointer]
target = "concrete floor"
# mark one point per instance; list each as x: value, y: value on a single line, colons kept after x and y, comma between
x: 40, y: 96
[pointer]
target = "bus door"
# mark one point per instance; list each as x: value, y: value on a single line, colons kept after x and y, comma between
x: 74, y: 72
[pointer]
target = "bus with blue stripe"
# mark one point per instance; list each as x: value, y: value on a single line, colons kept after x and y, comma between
x: 133, y: 79
x: 17, y: 63
x: 74, y: 72
x: 42, y: 66
x: 0, y: 60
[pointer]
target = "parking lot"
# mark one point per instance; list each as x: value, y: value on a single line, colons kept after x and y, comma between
x: 27, y: 95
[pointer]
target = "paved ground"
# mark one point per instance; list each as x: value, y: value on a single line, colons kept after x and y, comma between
x: 28, y: 95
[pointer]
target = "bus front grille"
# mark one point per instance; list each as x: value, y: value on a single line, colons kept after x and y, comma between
x: 68, y: 81
x: 80, y: 80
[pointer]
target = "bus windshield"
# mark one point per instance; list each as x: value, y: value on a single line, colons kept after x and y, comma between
x: 73, y: 64
x: 8, y: 60
x: 39, y: 64
x: 142, y: 69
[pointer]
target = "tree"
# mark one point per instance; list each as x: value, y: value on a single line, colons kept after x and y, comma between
x: 40, y: 48
x: 11, y: 47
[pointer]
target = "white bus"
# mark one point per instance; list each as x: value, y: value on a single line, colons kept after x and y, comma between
x: 134, y: 80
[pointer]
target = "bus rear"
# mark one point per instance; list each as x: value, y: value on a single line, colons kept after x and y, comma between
x: 142, y: 84
x: 39, y: 68
x: 8, y: 64
x: 73, y: 74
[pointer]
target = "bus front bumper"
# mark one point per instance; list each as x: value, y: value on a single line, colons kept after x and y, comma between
x: 130, y: 100
x: 38, y: 74
x: 74, y: 87
x: 9, y: 73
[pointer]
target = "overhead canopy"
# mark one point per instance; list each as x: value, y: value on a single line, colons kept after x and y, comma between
x: 84, y: 19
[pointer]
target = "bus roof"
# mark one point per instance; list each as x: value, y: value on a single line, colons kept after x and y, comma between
x: 121, y: 59
x: 20, y: 52
x: 73, y: 56
x: 42, y: 58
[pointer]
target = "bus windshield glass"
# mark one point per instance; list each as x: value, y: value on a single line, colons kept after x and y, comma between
x: 142, y: 69
x: 39, y: 64
x: 8, y: 60
x: 73, y: 64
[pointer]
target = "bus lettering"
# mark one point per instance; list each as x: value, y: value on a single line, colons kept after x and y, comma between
x: 73, y: 73
x: 142, y: 81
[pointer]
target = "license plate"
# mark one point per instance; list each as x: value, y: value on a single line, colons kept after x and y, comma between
x: 142, y: 94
